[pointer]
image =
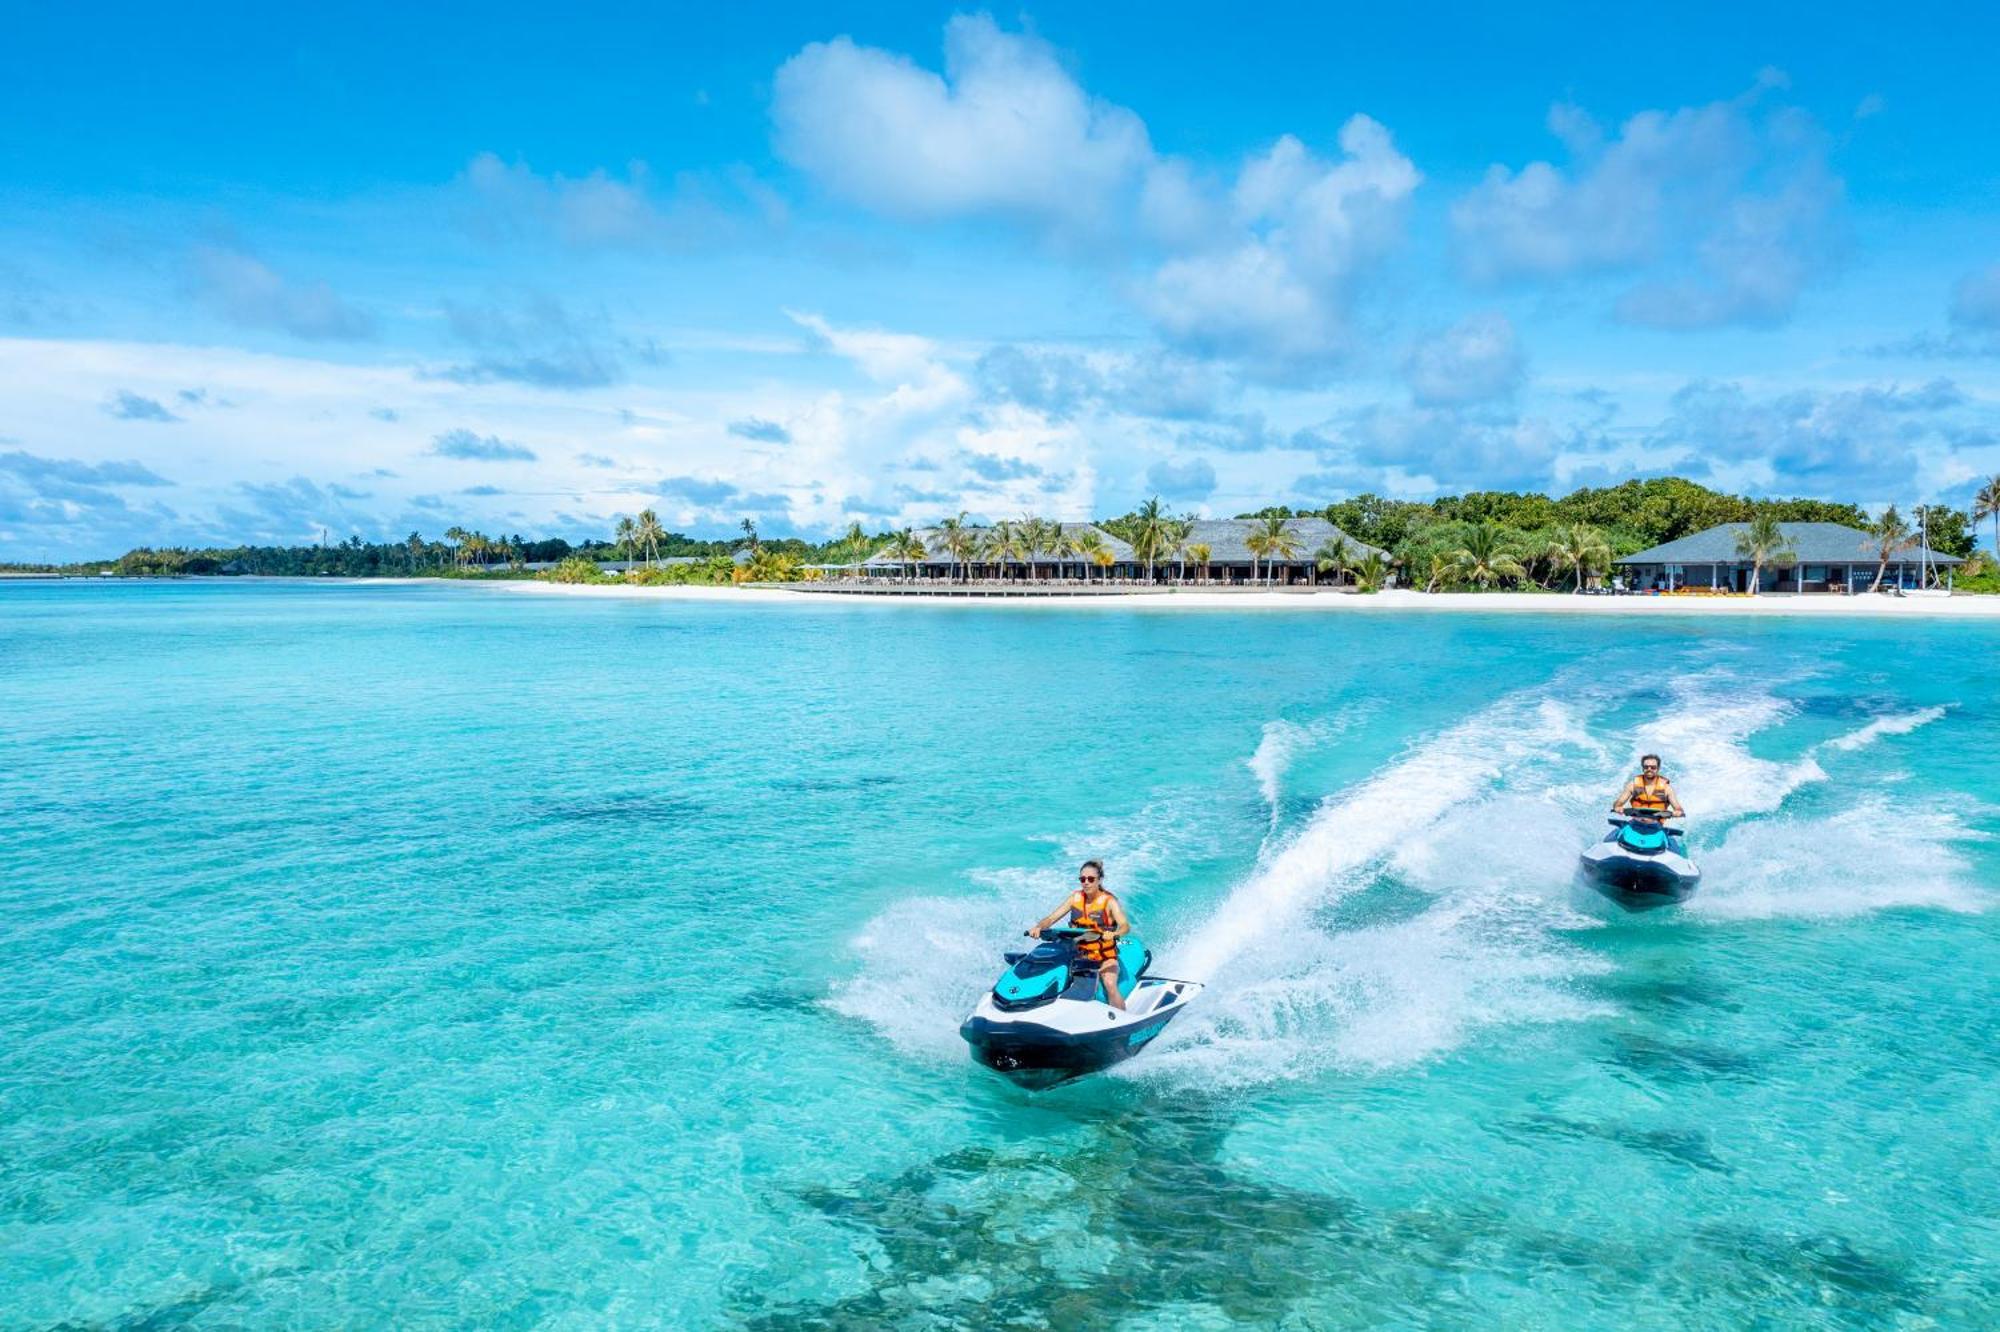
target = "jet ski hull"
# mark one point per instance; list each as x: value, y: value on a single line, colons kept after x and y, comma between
x: 1069, y: 1038
x: 1639, y: 882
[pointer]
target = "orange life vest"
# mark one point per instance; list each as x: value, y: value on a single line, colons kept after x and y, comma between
x: 1089, y: 915
x: 1649, y: 793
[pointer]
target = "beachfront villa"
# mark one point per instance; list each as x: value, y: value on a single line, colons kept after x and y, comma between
x: 1075, y: 558
x: 1820, y: 557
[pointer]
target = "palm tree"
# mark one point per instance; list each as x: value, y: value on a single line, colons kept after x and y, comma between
x: 906, y: 547
x: 1485, y: 559
x: 953, y: 536
x: 1103, y: 557
x: 1334, y: 557
x: 1065, y: 546
x: 1580, y: 547
x: 1440, y: 566
x: 1176, y: 532
x: 858, y: 546
x: 1028, y: 532
x: 749, y: 526
x: 456, y: 536
x: 415, y: 545
x: 1001, y: 546
x: 627, y: 532
x: 1762, y: 541
x: 1088, y: 545
x: 648, y: 534
x: 1200, y: 552
x: 1149, y: 522
x: 1986, y: 504
x: 1892, y: 533
x: 1368, y: 574
x: 1275, y: 540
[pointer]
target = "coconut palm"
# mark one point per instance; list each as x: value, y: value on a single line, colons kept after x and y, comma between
x: 1201, y: 552
x: 627, y: 533
x: 1762, y: 541
x: 906, y: 547
x: 1334, y: 556
x: 857, y: 545
x: 456, y: 536
x: 1174, y: 534
x: 648, y: 533
x: 1580, y: 547
x: 1104, y: 557
x: 1485, y: 559
x: 1065, y: 545
x: 1001, y: 545
x: 1439, y: 569
x: 1148, y: 532
x: 1369, y: 574
x: 415, y: 545
x: 749, y: 526
x: 1032, y: 533
x: 1275, y: 541
x: 1892, y: 533
x: 956, y: 539
x: 1986, y: 504
x: 1088, y: 545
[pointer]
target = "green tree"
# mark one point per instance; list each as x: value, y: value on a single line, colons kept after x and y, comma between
x: 907, y: 548
x: 1763, y: 542
x: 648, y: 532
x: 1487, y: 555
x: 1986, y: 504
x: 1148, y: 534
x: 1088, y: 545
x: 1274, y: 540
x: 1201, y: 552
x: 1581, y: 548
x: 1370, y: 573
x: 1892, y: 533
x: 957, y: 541
x: 1176, y: 533
x: 1334, y: 556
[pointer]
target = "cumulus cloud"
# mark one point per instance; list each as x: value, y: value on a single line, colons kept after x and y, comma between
x: 757, y: 428
x: 244, y: 290
x: 1975, y: 299
x: 1061, y: 382
x: 1260, y: 268
x: 1451, y: 447
x: 1476, y: 359
x: 1193, y: 479
x: 75, y: 505
x: 465, y: 445
x: 128, y: 406
x: 1005, y: 129
x: 1714, y: 214
x: 1271, y: 284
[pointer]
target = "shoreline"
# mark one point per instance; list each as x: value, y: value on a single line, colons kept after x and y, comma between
x: 1962, y: 606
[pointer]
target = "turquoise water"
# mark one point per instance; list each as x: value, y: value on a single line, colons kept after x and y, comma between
x: 405, y: 956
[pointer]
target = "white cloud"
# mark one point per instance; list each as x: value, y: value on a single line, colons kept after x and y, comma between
x: 1475, y: 359
x: 1719, y: 214
x: 1260, y: 269
x: 246, y: 291
x: 1005, y: 129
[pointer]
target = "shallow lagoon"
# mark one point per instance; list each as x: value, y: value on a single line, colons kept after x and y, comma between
x: 433, y: 956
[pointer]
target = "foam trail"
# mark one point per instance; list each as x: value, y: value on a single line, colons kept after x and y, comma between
x: 1365, y: 824
x: 1896, y: 724
x: 1872, y: 856
x: 1280, y: 745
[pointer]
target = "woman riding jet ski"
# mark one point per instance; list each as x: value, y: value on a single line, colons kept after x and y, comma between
x: 1643, y: 863
x: 1080, y: 1001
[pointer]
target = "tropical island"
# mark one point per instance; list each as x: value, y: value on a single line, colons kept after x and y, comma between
x: 1641, y: 535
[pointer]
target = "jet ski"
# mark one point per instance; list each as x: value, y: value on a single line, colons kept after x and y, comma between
x: 1046, y: 1020
x: 1642, y: 863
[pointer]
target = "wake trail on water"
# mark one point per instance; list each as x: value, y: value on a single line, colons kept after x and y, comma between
x: 1436, y: 897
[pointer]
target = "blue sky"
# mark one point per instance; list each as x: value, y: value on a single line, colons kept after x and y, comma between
x: 374, y: 270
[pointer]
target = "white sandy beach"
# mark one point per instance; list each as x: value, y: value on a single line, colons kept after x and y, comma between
x: 1967, y: 606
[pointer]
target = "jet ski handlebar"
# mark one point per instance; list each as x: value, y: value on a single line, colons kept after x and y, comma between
x: 1671, y: 822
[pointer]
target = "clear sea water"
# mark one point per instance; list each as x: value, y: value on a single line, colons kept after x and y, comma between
x: 449, y: 957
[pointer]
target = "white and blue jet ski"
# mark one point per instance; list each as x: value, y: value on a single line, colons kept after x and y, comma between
x: 1642, y: 863
x: 1046, y: 1020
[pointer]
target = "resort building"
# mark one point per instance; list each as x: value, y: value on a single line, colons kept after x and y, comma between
x: 1821, y: 557
x: 1086, y: 552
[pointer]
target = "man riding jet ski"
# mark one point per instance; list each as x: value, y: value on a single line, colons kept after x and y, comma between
x: 1643, y: 862
x: 1080, y: 1001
